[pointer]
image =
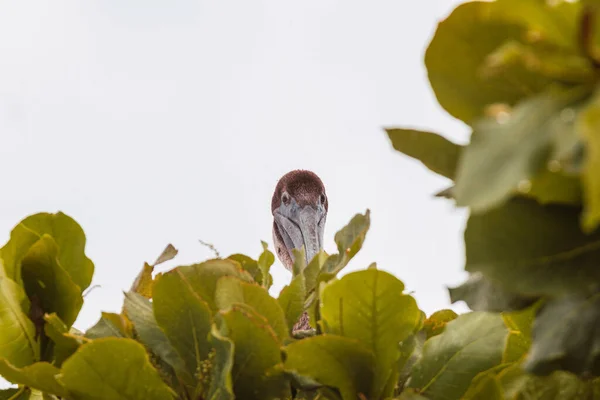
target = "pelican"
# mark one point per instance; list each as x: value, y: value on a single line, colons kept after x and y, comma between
x: 299, y: 207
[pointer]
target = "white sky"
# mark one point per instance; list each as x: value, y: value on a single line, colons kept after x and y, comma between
x: 156, y: 122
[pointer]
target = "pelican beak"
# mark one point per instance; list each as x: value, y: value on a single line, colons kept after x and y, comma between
x: 301, y: 227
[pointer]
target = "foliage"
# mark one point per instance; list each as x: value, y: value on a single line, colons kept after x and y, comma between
x: 521, y: 74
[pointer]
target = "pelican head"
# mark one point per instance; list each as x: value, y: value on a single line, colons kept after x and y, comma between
x: 299, y: 208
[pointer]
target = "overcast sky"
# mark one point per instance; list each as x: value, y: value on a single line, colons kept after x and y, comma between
x: 156, y: 122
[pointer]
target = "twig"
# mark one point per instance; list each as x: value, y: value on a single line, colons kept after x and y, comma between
x: 210, y: 246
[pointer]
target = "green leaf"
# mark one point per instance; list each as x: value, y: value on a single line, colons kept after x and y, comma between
x: 113, y: 368
x: 10, y: 394
x: 139, y: 310
x: 349, y: 241
x: 435, y: 152
x: 231, y: 291
x: 69, y: 238
x: 249, y: 265
x: 18, y: 343
x: 256, y: 357
x: 470, y: 344
x: 143, y: 282
x: 41, y: 376
x: 291, y: 300
x: 519, y: 324
x: 343, y: 363
x: 369, y: 306
x: 265, y: 261
x: 588, y: 124
x: 221, y: 385
x: 47, y: 280
x: 203, y: 277
x: 482, y: 294
x: 64, y: 344
x: 565, y: 336
x: 184, y: 318
x: 484, y: 386
x: 509, y: 150
x: 111, y: 325
x: 532, y: 249
x: 455, y: 57
x: 436, y: 323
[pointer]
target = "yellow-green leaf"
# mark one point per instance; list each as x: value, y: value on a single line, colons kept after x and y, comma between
x: 41, y: 376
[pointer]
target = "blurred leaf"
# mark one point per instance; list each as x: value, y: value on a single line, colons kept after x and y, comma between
x: 10, y: 394
x: 456, y: 54
x: 343, y: 363
x: 249, y: 265
x: 113, y: 368
x: 111, y: 325
x: 470, y: 344
x: 221, y: 385
x: 588, y: 124
x: 69, y: 238
x: 484, y: 386
x: 554, y: 22
x: 291, y: 300
x: 18, y: 344
x: 265, y: 261
x: 41, y: 376
x: 532, y: 248
x: 519, y: 325
x: 256, y: 356
x: 565, y: 336
x: 436, y: 152
x: 64, y: 344
x: 139, y: 310
x: 45, y: 278
x: 482, y: 294
x: 436, y: 323
x: 144, y: 281
x: 203, y: 277
x: 549, y: 187
x: 508, y: 150
x: 231, y: 292
x: 369, y: 306
x: 184, y: 318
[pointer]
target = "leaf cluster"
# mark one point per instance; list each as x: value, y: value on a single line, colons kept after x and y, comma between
x: 523, y: 77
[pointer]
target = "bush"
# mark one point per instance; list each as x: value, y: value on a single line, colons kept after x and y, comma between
x: 522, y: 75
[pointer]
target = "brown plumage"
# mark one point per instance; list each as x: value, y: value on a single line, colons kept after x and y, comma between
x: 299, y: 207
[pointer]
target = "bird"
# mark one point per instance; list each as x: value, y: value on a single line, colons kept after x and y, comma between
x: 299, y: 206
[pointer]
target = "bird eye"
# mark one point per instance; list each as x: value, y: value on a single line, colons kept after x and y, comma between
x: 285, y: 198
x: 322, y: 198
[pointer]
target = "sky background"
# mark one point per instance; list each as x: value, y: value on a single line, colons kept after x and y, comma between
x: 154, y: 122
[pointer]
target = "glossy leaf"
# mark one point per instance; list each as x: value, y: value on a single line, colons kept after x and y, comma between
x: 508, y: 150
x: 47, y: 280
x: 343, y: 363
x: 435, y: 152
x: 184, y: 318
x: 369, y: 306
x: 232, y: 291
x: 69, y: 238
x: 41, y: 376
x: 532, y: 248
x: 18, y: 343
x: 482, y: 294
x: 565, y: 336
x: 254, y: 372
x: 113, y: 368
x: 470, y: 344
